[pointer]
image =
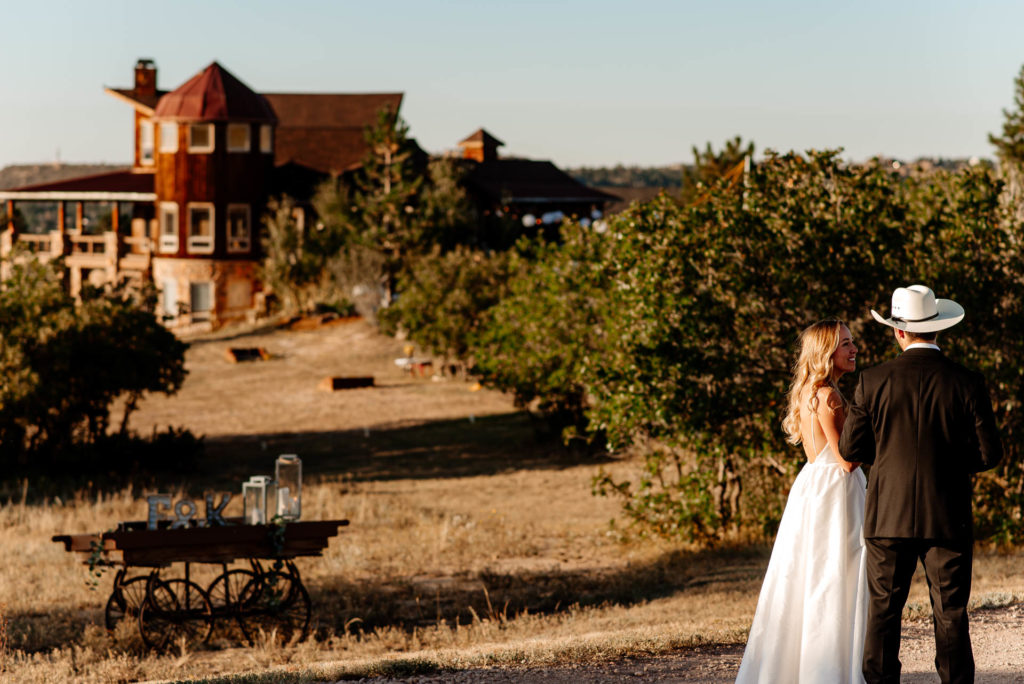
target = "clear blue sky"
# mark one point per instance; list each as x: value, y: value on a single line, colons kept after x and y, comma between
x: 579, y: 82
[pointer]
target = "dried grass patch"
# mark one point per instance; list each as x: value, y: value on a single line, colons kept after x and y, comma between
x: 471, y: 543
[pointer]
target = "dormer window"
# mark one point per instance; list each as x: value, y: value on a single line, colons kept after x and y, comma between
x: 146, y: 142
x: 200, y: 137
x: 266, y: 139
x: 238, y: 137
x: 168, y: 136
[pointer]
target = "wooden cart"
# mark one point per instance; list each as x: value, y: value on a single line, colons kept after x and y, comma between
x: 239, y: 603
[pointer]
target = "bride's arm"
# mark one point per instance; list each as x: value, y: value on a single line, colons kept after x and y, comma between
x: 831, y: 417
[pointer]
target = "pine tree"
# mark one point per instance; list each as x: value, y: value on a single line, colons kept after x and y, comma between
x: 709, y: 166
x: 1010, y: 146
x: 385, y: 191
x: 446, y: 215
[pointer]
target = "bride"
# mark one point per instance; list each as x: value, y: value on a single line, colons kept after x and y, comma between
x: 809, y: 624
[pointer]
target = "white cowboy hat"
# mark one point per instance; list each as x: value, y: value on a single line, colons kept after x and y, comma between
x: 915, y: 309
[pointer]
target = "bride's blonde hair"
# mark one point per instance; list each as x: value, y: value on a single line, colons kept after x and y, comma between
x: 813, y: 368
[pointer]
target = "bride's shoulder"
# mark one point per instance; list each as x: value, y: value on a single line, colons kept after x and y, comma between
x: 829, y: 397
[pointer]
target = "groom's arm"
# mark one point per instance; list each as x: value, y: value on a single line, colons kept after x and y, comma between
x: 858, y: 440
x: 989, y: 447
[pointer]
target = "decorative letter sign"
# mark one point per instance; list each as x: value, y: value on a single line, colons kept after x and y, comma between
x: 184, y: 511
x: 155, y: 502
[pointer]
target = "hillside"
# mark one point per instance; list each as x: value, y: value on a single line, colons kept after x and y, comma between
x: 19, y: 175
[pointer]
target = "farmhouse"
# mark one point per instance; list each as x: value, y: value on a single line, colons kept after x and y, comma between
x: 535, y: 192
x: 207, y: 157
x: 185, y: 215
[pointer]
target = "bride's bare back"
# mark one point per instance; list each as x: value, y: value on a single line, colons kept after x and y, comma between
x: 823, y: 427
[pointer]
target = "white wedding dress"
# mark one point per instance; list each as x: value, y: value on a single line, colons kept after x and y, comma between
x: 809, y: 623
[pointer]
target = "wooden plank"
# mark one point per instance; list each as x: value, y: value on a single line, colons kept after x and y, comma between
x: 82, y: 542
x: 140, y: 546
x: 340, y: 383
x: 220, y: 553
x: 238, y: 354
x: 199, y: 536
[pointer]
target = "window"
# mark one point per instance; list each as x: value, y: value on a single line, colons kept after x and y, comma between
x: 200, y: 228
x: 238, y: 137
x: 170, y: 297
x: 168, y: 227
x: 200, y: 137
x: 239, y: 234
x: 168, y: 136
x: 146, y: 142
x: 201, y: 300
x: 266, y: 138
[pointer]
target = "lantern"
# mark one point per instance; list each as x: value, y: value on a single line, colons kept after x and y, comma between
x: 288, y: 474
x: 254, y: 497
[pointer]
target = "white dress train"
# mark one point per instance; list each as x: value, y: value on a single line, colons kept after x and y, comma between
x: 809, y: 624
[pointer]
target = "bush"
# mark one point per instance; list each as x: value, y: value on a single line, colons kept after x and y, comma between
x: 540, y: 340
x: 64, y: 363
x: 673, y: 332
x: 443, y: 298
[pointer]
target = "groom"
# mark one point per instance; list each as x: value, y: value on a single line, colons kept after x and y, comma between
x: 925, y: 424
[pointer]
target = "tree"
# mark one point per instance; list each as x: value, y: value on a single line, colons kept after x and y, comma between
x: 710, y: 166
x: 446, y: 215
x: 672, y: 334
x: 708, y: 301
x: 1010, y: 150
x: 445, y: 298
x: 384, y: 195
x: 294, y: 265
x: 64, y: 362
x: 539, y: 340
x: 968, y: 240
x: 1010, y: 145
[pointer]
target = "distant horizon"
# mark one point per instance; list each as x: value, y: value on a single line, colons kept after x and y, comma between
x: 578, y: 83
x: 757, y: 156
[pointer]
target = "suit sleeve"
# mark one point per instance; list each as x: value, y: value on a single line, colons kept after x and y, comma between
x: 857, y: 443
x: 989, y: 446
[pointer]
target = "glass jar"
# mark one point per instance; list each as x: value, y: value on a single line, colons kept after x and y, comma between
x: 288, y: 476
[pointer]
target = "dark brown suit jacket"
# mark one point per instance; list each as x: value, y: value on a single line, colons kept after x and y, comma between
x: 925, y: 425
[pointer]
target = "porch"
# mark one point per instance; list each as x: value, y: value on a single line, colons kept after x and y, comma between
x: 102, y: 226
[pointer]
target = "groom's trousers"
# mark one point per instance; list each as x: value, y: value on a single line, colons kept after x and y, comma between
x: 890, y: 567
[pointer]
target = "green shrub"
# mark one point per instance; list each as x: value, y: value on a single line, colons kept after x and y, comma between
x: 673, y: 332
x: 64, y: 363
x: 443, y: 298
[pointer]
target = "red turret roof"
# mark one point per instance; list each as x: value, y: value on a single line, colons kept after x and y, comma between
x: 482, y: 136
x: 214, y: 95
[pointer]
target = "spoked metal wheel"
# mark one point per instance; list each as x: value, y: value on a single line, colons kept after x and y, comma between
x: 125, y: 601
x: 175, y: 609
x: 231, y: 605
x: 279, y: 605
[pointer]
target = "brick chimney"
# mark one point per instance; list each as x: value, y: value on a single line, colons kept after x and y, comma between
x: 145, y: 77
x: 481, y: 146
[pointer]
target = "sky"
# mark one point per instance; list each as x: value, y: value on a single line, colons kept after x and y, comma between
x: 582, y: 83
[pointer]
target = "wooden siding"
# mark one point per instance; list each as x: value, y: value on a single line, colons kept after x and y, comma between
x: 219, y: 177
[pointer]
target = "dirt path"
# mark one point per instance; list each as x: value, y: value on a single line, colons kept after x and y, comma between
x: 997, y: 636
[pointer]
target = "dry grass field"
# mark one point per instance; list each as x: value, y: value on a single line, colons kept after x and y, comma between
x: 471, y: 543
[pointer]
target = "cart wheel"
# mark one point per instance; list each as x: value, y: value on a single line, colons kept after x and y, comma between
x: 279, y: 605
x: 231, y: 605
x: 125, y: 601
x: 175, y: 608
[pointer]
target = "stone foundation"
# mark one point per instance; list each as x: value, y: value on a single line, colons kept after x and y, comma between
x: 224, y: 291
